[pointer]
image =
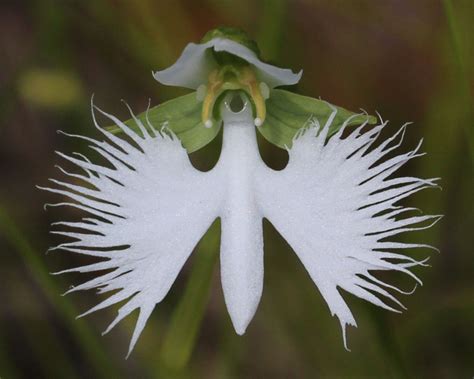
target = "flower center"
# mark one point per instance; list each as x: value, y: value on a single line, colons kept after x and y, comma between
x: 232, y: 78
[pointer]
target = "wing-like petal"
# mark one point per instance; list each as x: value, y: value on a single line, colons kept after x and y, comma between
x: 335, y: 206
x: 148, y: 207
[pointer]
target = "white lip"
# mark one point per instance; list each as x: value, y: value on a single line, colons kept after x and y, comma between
x: 196, y: 62
x: 335, y: 203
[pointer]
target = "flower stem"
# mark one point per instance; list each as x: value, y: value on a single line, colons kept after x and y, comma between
x: 462, y: 76
x: 186, y: 320
x: 84, y: 337
x: 271, y: 26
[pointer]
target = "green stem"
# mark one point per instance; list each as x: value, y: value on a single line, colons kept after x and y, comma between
x: 461, y: 71
x: 83, y: 335
x: 271, y: 27
x: 388, y: 343
x: 186, y: 320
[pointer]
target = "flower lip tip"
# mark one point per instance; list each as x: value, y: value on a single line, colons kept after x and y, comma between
x: 208, y: 124
x: 240, y: 325
x: 240, y: 331
x: 258, y: 121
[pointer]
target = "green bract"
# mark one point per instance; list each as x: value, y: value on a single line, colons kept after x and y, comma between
x: 227, y: 60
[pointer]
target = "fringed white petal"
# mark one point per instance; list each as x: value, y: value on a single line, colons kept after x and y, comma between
x: 147, y: 208
x: 196, y: 62
x: 335, y: 206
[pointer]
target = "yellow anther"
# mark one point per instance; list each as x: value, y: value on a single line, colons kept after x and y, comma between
x: 214, y: 87
x: 232, y: 78
x: 254, y: 88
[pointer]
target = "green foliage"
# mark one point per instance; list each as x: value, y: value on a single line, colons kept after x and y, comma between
x: 83, y: 336
x: 186, y: 319
x: 288, y: 112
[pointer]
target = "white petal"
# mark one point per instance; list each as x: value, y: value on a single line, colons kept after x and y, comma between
x: 196, y: 62
x: 149, y: 209
x: 191, y: 69
x: 334, y: 206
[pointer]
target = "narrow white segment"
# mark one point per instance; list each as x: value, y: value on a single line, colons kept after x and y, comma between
x: 241, y: 220
x: 336, y: 203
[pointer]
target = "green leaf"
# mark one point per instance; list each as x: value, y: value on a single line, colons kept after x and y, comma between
x: 92, y: 348
x: 288, y: 112
x: 183, y: 117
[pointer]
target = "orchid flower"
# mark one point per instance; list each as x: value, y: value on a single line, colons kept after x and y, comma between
x: 336, y: 203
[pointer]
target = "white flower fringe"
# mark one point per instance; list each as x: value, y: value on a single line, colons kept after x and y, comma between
x: 334, y: 203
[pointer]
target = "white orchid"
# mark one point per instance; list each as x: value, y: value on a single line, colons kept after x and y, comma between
x: 336, y: 204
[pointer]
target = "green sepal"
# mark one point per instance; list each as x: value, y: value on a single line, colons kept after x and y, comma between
x: 288, y: 112
x: 183, y: 117
x: 234, y: 34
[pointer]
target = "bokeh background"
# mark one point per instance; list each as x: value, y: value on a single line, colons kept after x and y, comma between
x: 408, y: 60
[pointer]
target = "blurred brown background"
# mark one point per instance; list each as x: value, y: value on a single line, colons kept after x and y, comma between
x: 408, y: 60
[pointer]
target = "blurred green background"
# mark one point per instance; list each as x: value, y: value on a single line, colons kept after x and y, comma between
x: 408, y: 60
